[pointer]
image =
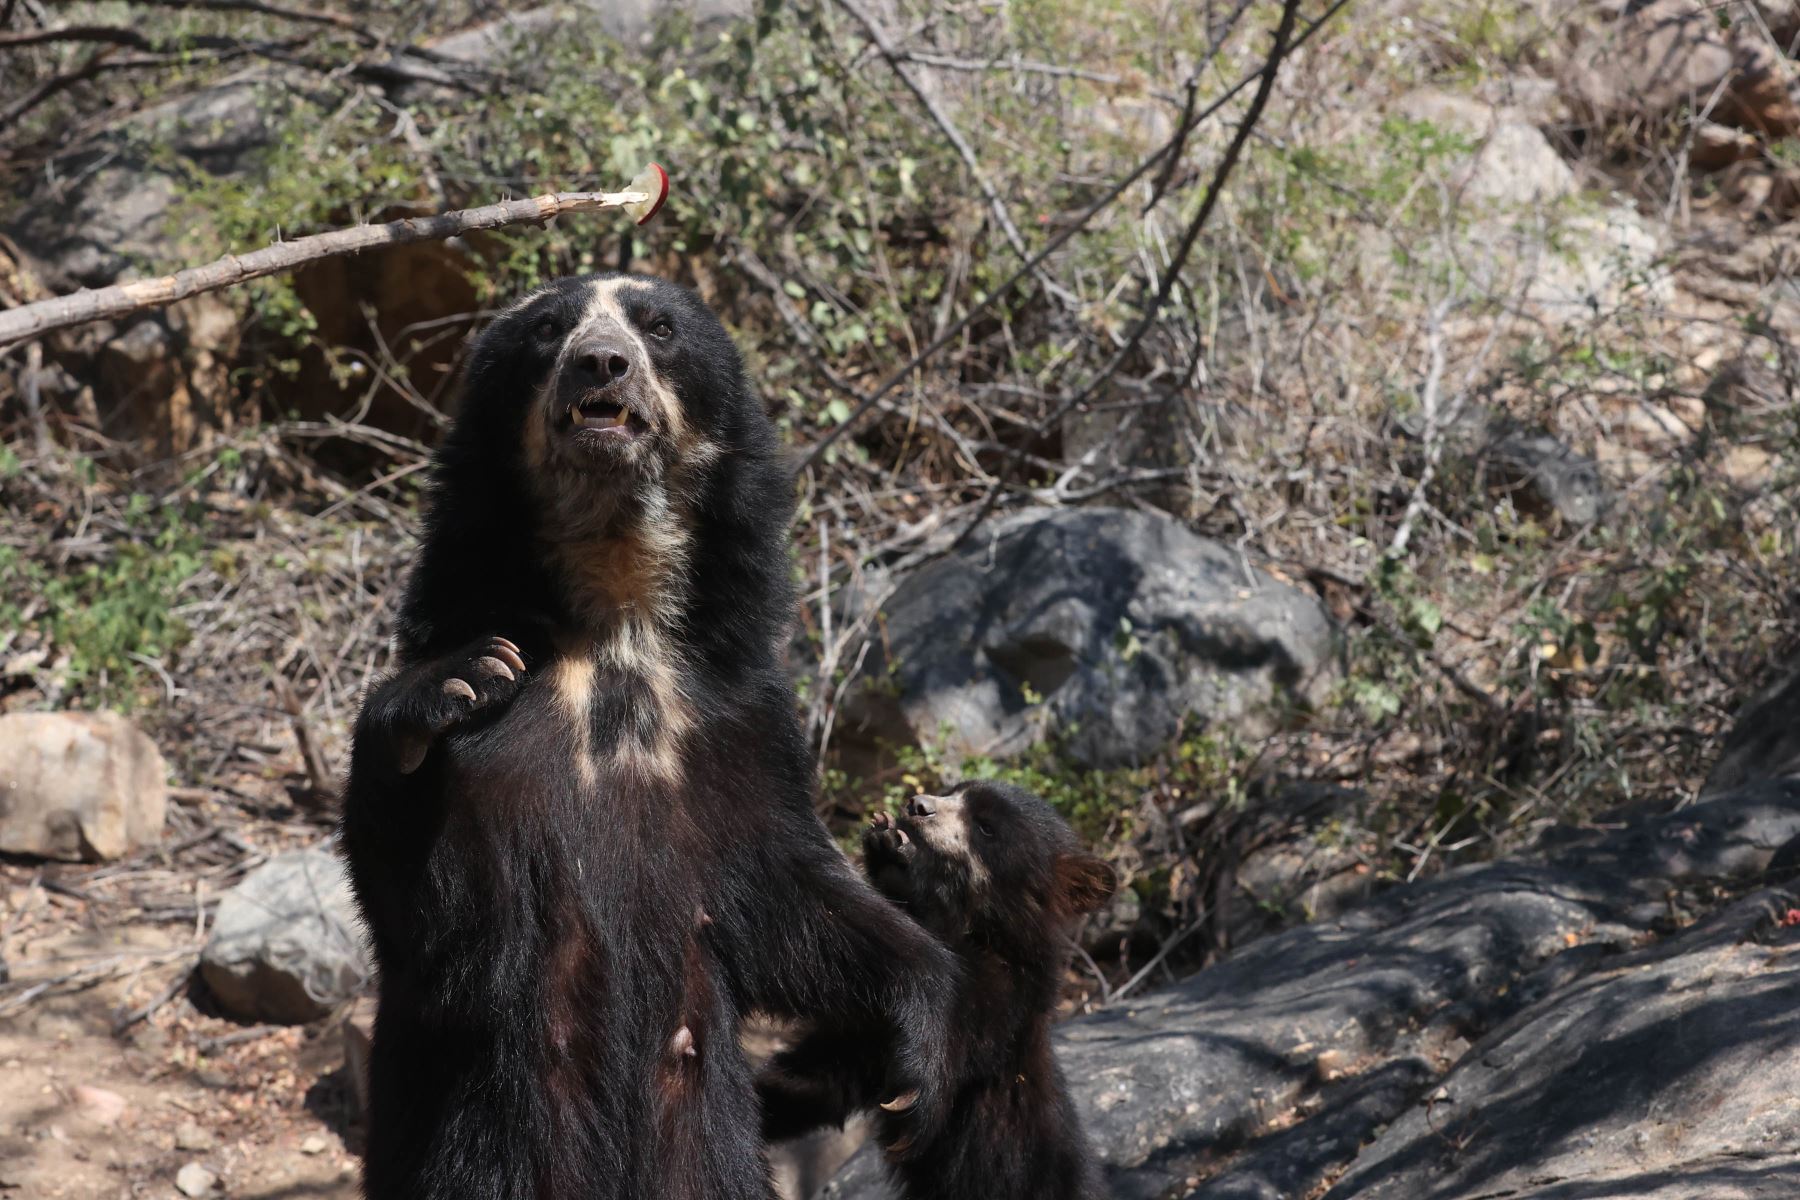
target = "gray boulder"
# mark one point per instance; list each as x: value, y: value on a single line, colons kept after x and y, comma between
x: 287, y: 944
x: 1546, y: 476
x: 1108, y: 630
x: 1764, y: 743
x: 1265, y: 1076
x: 79, y: 786
x: 1666, y: 1074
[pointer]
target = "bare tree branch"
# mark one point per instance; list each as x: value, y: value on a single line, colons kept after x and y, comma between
x: 282, y: 11
x: 1285, y: 44
x: 12, y: 39
x: 955, y: 329
x: 99, y: 304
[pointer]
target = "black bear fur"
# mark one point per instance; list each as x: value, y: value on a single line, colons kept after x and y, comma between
x: 995, y: 874
x: 579, y: 816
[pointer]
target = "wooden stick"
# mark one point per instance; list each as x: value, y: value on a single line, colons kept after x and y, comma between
x: 100, y: 304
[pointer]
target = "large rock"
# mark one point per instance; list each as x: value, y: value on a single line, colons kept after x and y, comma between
x: 1107, y: 630
x: 79, y: 786
x: 287, y: 944
x: 1664, y: 1075
x: 1653, y: 59
x: 1263, y: 1077
x: 1764, y: 743
x: 1512, y: 164
x: 1516, y: 237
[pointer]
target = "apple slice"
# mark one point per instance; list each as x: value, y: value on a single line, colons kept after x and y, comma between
x: 653, y: 181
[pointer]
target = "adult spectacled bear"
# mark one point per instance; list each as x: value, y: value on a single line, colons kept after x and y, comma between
x: 579, y: 819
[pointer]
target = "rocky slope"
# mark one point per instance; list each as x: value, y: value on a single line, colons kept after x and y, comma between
x: 1573, y: 1023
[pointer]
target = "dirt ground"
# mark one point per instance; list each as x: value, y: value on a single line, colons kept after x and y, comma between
x: 118, y: 1077
x: 117, y: 1074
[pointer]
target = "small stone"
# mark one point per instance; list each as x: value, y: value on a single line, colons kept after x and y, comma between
x: 194, y: 1137
x: 313, y: 1145
x: 79, y: 786
x: 287, y: 943
x: 195, y: 1180
x: 99, y: 1105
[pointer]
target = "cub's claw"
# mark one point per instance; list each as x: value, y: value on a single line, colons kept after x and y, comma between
x: 901, y: 1103
x: 456, y: 689
x: 492, y: 667
x: 507, y: 653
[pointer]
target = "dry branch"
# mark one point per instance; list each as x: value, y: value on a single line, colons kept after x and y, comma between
x: 101, y: 304
x: 1074, y: 227
x: 282, y: 11
x: 1285, y: 44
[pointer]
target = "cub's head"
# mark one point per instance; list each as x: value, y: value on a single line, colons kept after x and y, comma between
x: 607, y: 386
x: 987, y: 859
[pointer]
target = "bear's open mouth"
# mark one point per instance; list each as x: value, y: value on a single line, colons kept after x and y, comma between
x: 607, y: 418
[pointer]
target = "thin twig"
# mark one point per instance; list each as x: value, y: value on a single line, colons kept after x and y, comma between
x: 99, y: 304
x: 954, y: 330
x: 1285, y: 44
x: 942, y: 119
x: 1175, y: 939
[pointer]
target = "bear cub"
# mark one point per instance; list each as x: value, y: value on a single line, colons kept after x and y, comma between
x: 996, y: 875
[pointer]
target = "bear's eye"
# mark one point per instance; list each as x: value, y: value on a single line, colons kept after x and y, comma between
x: 661, y: 329
x: 547, y: 330
x: 984, y: 829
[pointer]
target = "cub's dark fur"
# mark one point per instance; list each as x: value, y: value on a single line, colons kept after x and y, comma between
x: 997, y: 876
x: 579, y: 816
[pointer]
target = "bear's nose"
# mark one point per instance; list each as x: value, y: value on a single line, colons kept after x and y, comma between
x: 599, y: 362
x: 919, y: 806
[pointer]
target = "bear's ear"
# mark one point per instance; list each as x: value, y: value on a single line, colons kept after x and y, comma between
x: 1084, y: 882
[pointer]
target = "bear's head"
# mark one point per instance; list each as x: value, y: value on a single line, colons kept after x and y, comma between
x: 610, y: 386
x: 608, y: 456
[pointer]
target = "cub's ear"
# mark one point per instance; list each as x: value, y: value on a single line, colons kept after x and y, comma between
x: 1084, y: 882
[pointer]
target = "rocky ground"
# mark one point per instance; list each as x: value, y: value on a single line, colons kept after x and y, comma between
x: 1384, y: 656
x: 1611, y: 1015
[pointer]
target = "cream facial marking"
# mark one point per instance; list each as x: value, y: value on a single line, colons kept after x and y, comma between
x: 606, y: 310
x: 943, y: 825
x: 622, y: 555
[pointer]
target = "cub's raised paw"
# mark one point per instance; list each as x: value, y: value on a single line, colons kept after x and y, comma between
x: 437, y: 695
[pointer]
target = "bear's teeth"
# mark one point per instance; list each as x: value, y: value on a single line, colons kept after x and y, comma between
x: 581, y: 420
